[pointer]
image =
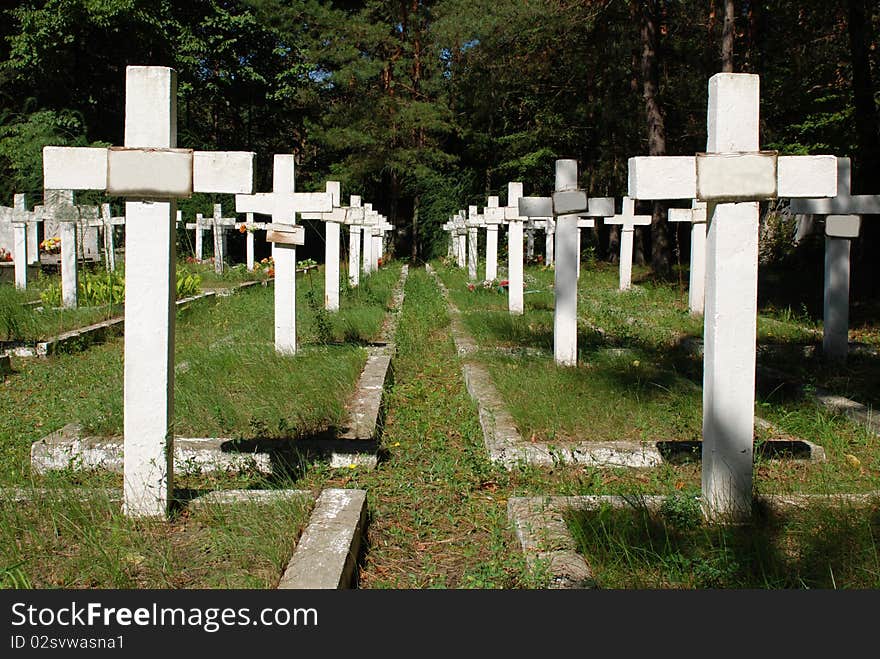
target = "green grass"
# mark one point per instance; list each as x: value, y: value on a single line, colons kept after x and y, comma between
x: 65, y: 542
x: 229, y: 380
x: 27, y: 324
x: 821, y: 546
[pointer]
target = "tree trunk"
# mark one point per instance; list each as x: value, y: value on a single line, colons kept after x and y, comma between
x: 414, y: 256
x: 727, y: 37
x: 661, y: 255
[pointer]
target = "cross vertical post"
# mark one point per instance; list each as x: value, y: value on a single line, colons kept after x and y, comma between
x: 354, y: 245
x: 514, y: 220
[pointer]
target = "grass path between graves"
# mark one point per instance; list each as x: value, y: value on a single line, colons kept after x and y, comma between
x: 437, y: 504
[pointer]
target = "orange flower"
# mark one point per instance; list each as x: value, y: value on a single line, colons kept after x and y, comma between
x: 242, y: 228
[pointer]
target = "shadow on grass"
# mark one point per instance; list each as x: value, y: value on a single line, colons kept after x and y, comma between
x: 824, y: 546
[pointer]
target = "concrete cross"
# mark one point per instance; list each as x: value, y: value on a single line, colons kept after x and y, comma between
x: 151, y: 174
x: 200, y: 225
x: 58, y: 210
x: 514, y: 221
x: 333, y: 222
x: 449, y: 227
x: 493, y: 218
x: 355, y: 228
x: 564, y: 206
x: 220, y: 225
x: 385, y: 227
x: 474, y: 223
x: 282, y: 204
x: 378, y: 240
x: 732, y: 176
x: 842, y: 223
x: 369, y: 231
x: 249, y: 227
x: 460, y: 222
x: 24, y: 244
x: 696, y: 216
x: 108, y: 221
x: 628, y: 221
x: 19, y: 213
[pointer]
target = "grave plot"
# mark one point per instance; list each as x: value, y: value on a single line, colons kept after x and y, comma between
x: 223, y: 364
x: 57, y: 540
x: 34, y: 323
x: 555, y: 414
x: 649, y: 542
x: 229, y: 384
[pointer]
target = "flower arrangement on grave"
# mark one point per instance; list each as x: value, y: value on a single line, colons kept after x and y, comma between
x: 5, y: 256
x: 242, y: 228
x: 51, y: 245
x: 265, y: 266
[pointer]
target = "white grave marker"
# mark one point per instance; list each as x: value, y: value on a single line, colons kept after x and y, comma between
x: 493, y: 217
x: 627, y: 220
x: 282, y: 204
x: 842, y: 222
x: 474, y: 222
x: 515, y: 282
x: 566, y: 203
x: 354, y: 244
x: 599, y: 207
x: 249, y: 227
x: 220, y: 225
x: 696, y: 216
x: 148, y: 168
x: 732, y: 176
x: 333, y: 222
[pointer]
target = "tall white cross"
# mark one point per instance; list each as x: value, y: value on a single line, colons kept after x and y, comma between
x: 514, y: 221
x: 151, y: 173
x: 249, y: 227
x: 333, y: 222
x: 842, y: 222
x: 732, y: 177
x: 474, y: 222
x: 628, y: 221
x: 221, y: 225
x: 696, y: 216
x: 461, y: 238
x: 354, y: 243
x: 109, y: 222
x: 58, y: 207
x: 282, y: 204
x: 493, y: 218
x: 565, y: 205
x: 19, y: 213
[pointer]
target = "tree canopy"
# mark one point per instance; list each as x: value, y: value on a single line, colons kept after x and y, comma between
x: 425, y: 106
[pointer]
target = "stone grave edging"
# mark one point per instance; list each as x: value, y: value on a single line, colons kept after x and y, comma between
x: 506, y: 446
x: 69, y: 448
x: 551, y: 550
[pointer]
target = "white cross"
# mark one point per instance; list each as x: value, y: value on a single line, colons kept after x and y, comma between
x: 19, y: 213
x: 200, y: 225
x: 59, y: 210
x: 220, y: 225
x: 564, y: 205
x: 627, y: 220
x: 354, y: 242
x: 282, y: 204
x: 474, y: 222
x: 493, y: 217
x: 842, y: 222
x: 732, y: 177
x: 250, y: 226
x: 696, y: 216
x: 332, y: 221
x: 514, y: 221
x: 109, y: 221
x: 151, y: 173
